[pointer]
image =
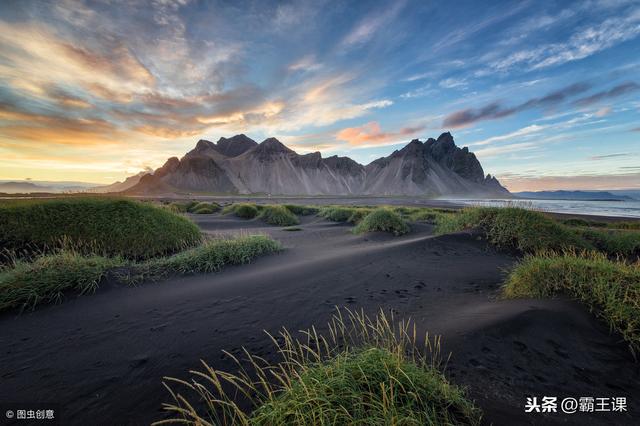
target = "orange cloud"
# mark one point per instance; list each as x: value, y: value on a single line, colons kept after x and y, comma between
x: 371, y: 134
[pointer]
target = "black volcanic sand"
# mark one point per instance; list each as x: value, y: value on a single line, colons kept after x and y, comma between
x: 102, y: 357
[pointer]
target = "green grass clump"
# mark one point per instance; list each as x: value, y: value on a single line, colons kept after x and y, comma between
x: 26, y: 284
x: 513, y: 228
x: 613, y: 241
x: 612, y: 288
x: 596, y: 224
x: 336, y: 214
x: 302, y: 210
x: 365, y: 371
x: 358, y: 214
x: 203, y: 208
x: 384, y: 220
x: 46, y: 279
x: 278, y: 215
x: 210, y: 256
x: 242, y: 210
x: 109, y: 226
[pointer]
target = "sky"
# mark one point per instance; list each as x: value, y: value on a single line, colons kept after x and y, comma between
x: 545, y: 93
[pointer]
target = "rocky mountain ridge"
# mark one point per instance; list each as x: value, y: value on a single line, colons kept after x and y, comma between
x: 239, y: 165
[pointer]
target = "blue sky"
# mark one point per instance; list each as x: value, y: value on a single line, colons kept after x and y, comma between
x: 547, y: 94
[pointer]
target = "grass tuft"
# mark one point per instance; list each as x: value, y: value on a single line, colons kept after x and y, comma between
x: 45, y: 280
x: 108, y: 226
x: 278, y: 215
x: 611, y: 288
x: 242, y: 210
x: 513, y: 228
x: 365, y: 371
x: 384, y: 220
x: 336, y: 213
x: 302, y: 210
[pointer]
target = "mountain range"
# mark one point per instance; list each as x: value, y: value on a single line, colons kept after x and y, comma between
x: 240, y: 165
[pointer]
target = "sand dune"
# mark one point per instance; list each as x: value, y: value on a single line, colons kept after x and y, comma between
x: 103, y: 357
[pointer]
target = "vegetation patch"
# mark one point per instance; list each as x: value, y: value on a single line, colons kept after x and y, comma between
x: 613, y: 241
x: 597, y: 224
x: 530, y: 231
x: 242, y: 210
x: 513, y: 228
x: 278, y: 215
x: 384, y: 220
x: 611, y: 288
x: 302, y: 210
x: 292, y: 228
x: 204, y: 208
x: 108, y: 226
x: 336, y: 213
x: 46, y: 279
x: 210, y: 256
x: 366, y: 371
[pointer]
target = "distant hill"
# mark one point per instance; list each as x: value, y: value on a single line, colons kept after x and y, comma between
x: 28, y: 186
x: 573, y: 195
x: 239, y: 165
x: 129, y: 182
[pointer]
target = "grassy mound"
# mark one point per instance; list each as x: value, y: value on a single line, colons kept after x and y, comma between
x: 336, y: 214
x: 513, y: 228
x: 242, y: 210
x: 210, y: 256
x: 384, y: 220
x: 359, y: 214
x: 302, y: 210
x: 613, y: 241
x: 113, y: 227
x: 366, y: 371
x: 46, y: 279
x: 278, y: 215
x: 611, y: 288
x: 529, y: 231
x: 596, y: 224
x: 204, y: 208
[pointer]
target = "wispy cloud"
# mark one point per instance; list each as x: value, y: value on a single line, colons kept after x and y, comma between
x: 614, y: 92
x: 604, y: 157
x: 371, y: 24
x: 495, y: 110
x: 452, y: 83
x: 585, y: 42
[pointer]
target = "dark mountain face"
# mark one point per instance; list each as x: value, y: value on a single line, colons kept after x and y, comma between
x: 240, y: 165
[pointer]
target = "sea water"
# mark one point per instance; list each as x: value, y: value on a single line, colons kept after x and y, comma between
x: 595, y: 208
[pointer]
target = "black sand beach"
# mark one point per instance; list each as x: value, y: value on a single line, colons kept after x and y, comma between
x: 102, y: 357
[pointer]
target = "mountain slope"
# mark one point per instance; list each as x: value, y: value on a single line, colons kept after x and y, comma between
x: 240, y: 165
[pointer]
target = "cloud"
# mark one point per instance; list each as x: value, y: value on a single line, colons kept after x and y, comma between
x: 452, y: 83
x: 619, y: 90
x: 371, y: 134
x: 525, y: 131
x: 495, y: 110
x: 307, y: 63
x: 604, y: 157
x: 603, y: 112
x: 583, y: 43
x: 372, y: 24
x: 499, y: 150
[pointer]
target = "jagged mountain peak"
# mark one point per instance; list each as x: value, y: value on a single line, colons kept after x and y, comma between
x: 240, y: 165
x: 271, y: 146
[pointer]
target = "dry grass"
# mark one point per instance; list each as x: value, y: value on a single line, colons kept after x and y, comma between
x: 364, y: 371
